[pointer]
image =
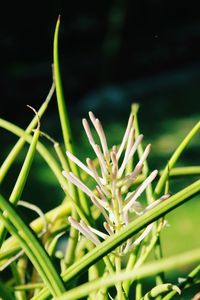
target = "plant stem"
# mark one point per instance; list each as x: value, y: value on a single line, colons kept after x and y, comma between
x: 11, y: 246
x: 162, y: 181
x: 20, y: 295
x: 40, y: 148
x: 174, y: 159
x: 138, y: 290
x: 120, y: 237
x: 120, y: 295
x: 18, y: 146
x: 186, y: 283
x: 66, y: 131
x: 32, y: 247
x: 62, y: 109
x: 29, y: 286
x: 21, y: 180
x: 145, y: 271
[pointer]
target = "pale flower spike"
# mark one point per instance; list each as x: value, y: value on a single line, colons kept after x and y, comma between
x: 113, y: 195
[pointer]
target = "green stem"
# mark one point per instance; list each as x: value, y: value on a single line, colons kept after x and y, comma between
x: 138, y: 290
x: 21, y: 180
x: 29, y: 286
x: 160, y: 289
x: 11, y: 246
x: 66, y: 131
x: 40, y: 148
x: 149, y: 269
x: 72, y: 242
x: 174, y: 158
x: 120, y: 295
x: 145, y: 172
x: 18, y: 146
x: 32, y: 247
x: 62, y: 109
x: 130, y: 230
x: 131, y: 262
x: 20, y: 295
x: 56, y: 170
x: 188, y: 281
x: 162, y: 182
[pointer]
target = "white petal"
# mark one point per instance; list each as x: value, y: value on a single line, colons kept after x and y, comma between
x: 140, y: 190
x: 102, y: 162
x: 76, y: 181
x: 135, y: 146
x: 155, y: 203
x: 128, y: 180
x: 92, y: 117
x: 99, y: 233
x: 88, y: 131
x: 126, y: 135
x: 143, y: 235
x: 84, y: 230
x: 96, y: 177
x: 98, y: 204
x: 130, y: 154
x: 101, y: 134
x: 108, y: 228
x: 137, y: 208
x: 102, y: 137
x: 79, y: 163
x: 144, y: 156
x: 89, y: 232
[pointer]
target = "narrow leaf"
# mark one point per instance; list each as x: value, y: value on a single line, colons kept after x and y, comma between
x: 21, y: 180
x: 145, y: 271
x: 134, y: 227
x: 32, y: 247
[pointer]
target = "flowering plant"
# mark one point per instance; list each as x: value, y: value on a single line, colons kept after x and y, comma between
x: 112, y: 196
x: 107, y: 232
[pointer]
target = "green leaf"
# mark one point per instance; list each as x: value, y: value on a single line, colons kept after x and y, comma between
x: 62, y: 109
x: 11, y: 246
x: 32, y: 247
x: 22, y: 178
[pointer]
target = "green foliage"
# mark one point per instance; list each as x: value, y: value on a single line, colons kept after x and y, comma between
x: 35, y: 265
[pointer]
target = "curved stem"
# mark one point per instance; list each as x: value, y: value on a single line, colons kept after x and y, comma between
x: 18, y: 146
x: 174, y: 158
x: 40, y: 148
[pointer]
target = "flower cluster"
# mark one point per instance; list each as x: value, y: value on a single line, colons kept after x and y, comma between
x: 112, y: 196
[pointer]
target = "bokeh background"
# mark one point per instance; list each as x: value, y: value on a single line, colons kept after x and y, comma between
x: 112, y: 53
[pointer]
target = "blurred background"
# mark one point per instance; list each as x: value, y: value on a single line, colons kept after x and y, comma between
x: 112, y: 53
